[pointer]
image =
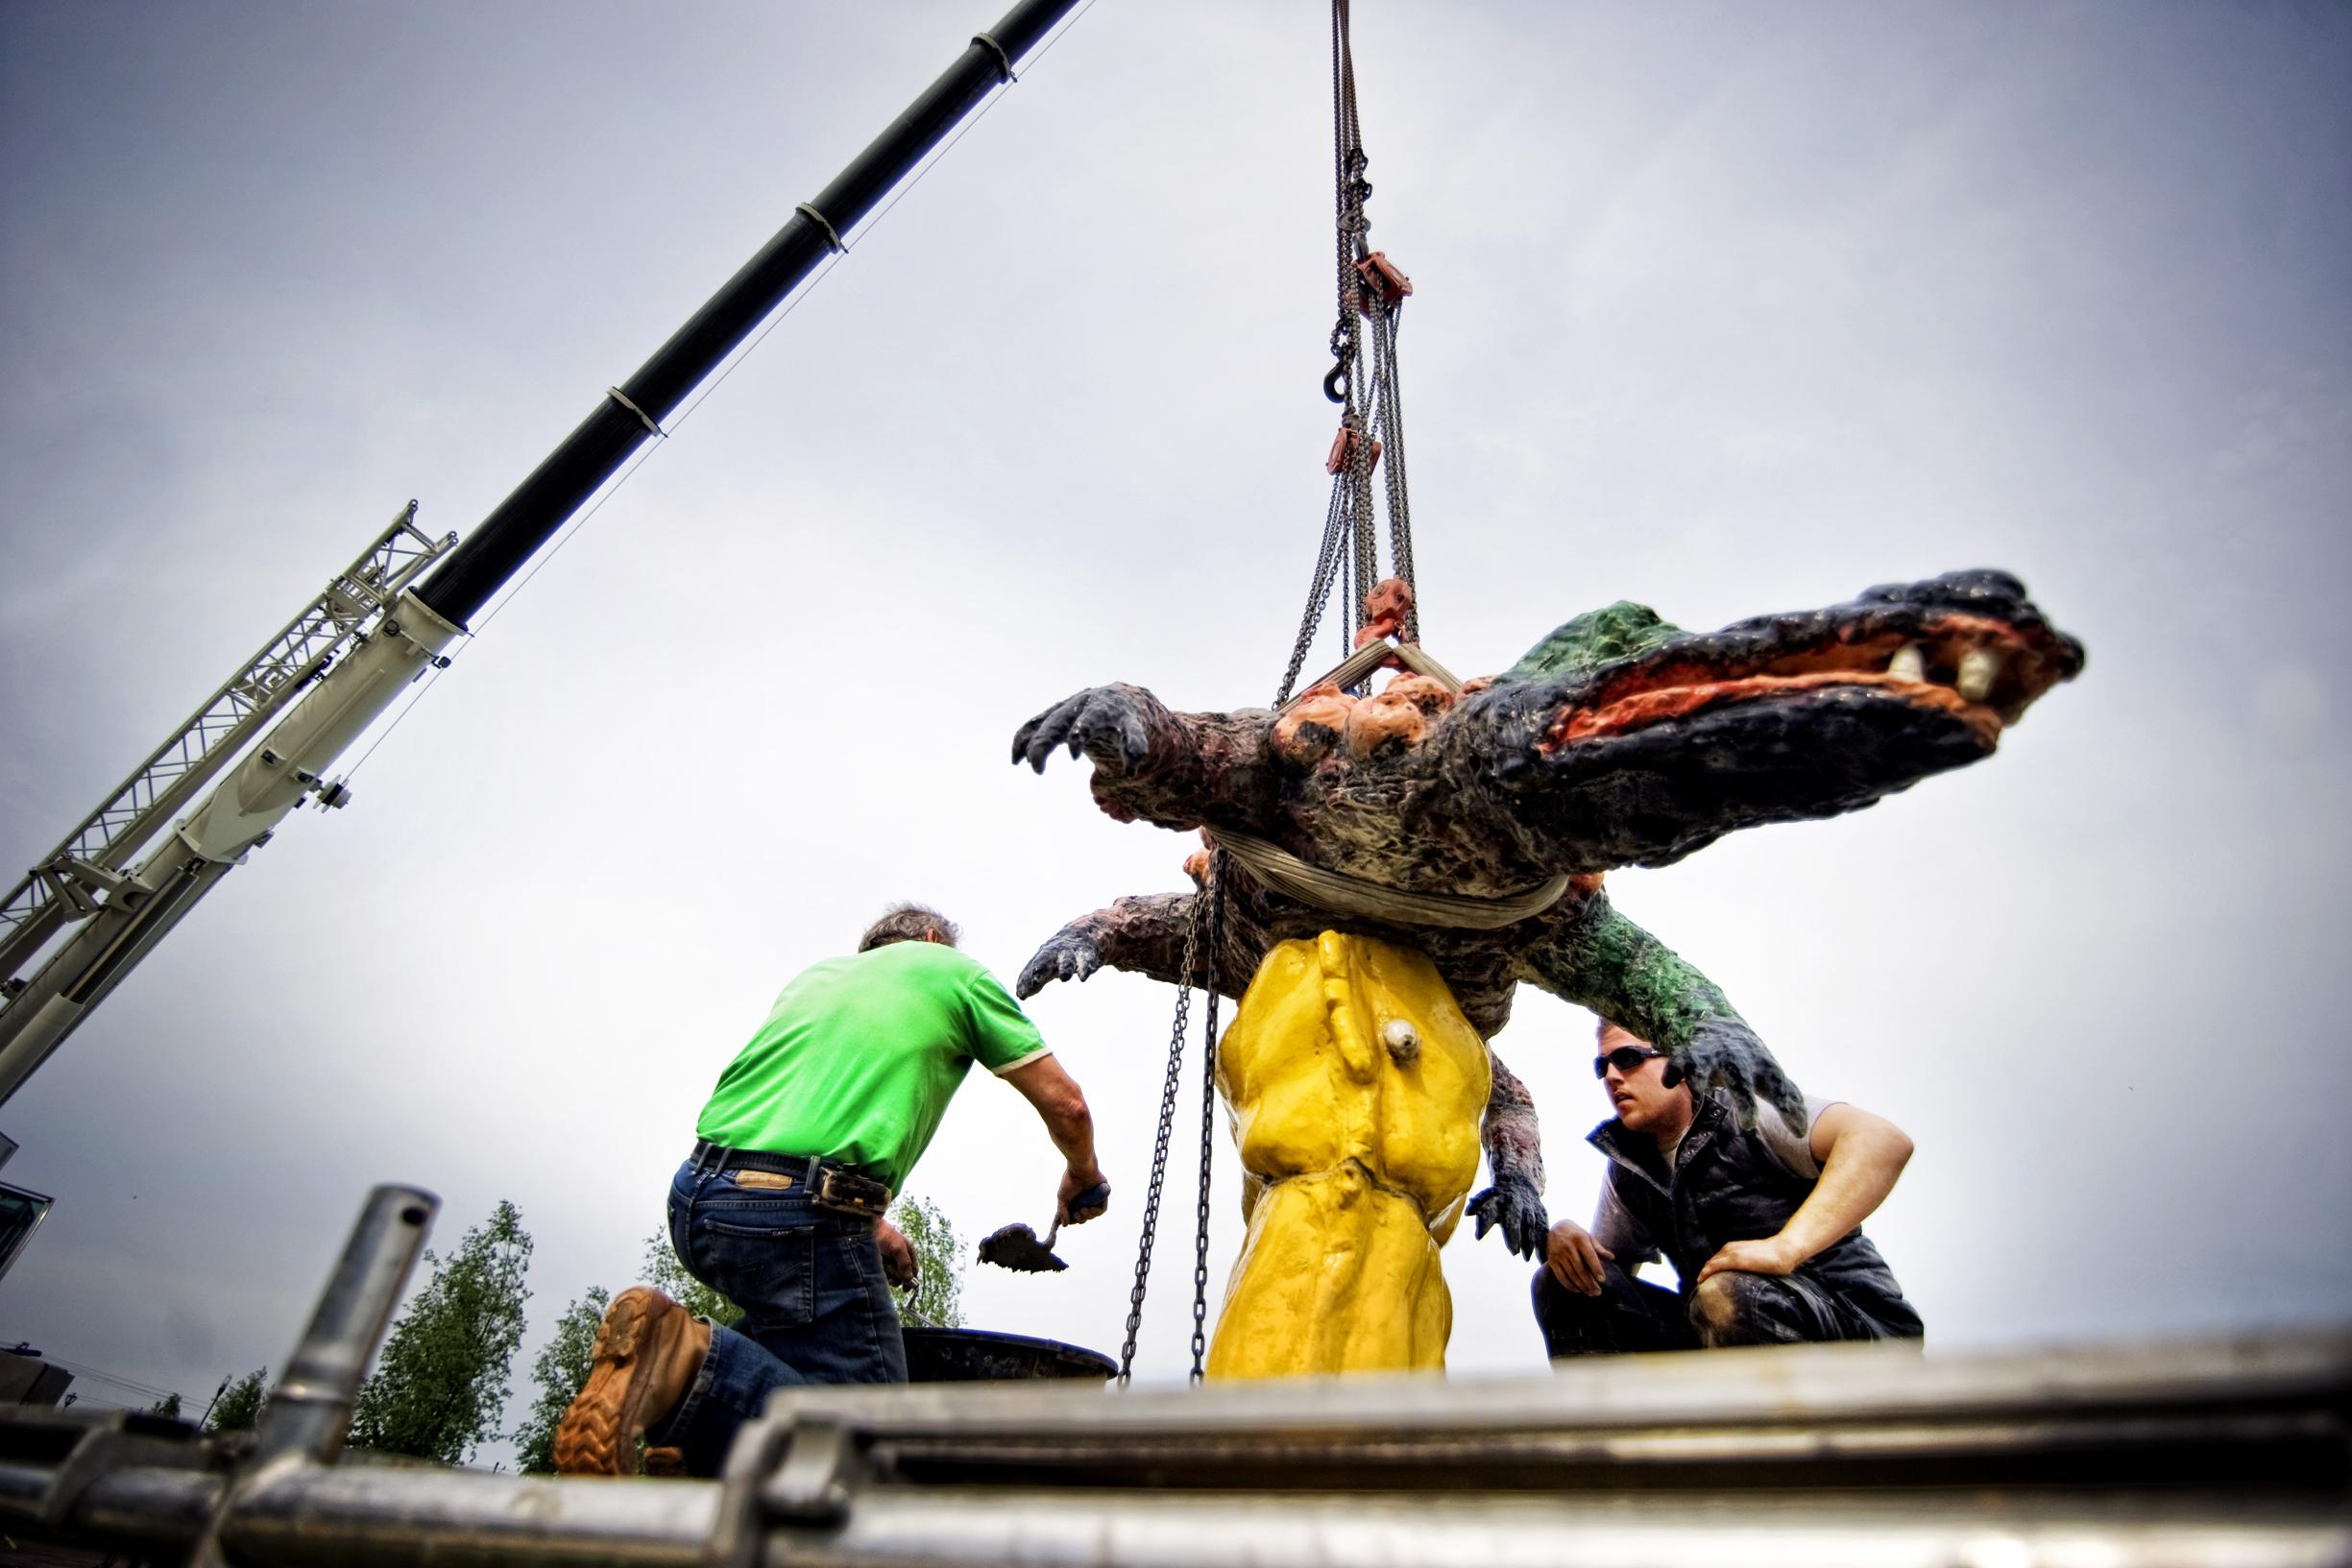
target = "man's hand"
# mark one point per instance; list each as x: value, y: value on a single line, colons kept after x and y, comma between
x: 1076, y: 1184
x: 1575, y: 1258
x: 1772, y: 1255
x: 897, y: 1254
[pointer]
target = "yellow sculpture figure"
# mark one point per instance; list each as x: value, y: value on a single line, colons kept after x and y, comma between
x: 1356, y: 1087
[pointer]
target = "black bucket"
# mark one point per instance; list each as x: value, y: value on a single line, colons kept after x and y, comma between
x: 982, y: 1356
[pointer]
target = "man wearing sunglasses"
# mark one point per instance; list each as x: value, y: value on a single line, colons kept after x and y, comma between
x: 1760, y: 1224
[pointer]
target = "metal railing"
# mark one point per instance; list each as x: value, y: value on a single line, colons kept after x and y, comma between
x: 2181, y: 1455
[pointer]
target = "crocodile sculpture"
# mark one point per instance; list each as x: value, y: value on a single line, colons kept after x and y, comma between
x: 1618, y: 740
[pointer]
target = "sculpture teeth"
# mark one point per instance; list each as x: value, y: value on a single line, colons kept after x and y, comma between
x: 1909, y: 663
x: 1978, y: 668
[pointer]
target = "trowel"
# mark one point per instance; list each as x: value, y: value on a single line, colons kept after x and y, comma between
x: 1017, y: 1247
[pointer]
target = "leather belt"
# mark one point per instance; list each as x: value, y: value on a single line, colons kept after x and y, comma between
x: 830, y: 1184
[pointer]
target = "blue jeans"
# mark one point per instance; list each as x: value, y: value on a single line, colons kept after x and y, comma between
x: 815, y: 1306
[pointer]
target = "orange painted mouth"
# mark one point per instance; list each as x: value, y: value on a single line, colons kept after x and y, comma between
x: 1976, y: 669
x: 1648, y: 708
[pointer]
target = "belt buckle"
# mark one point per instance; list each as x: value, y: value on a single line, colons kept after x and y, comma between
x: 845, y: 1191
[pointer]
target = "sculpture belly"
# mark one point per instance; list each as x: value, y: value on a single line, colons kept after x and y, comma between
x: 1357, y: 1089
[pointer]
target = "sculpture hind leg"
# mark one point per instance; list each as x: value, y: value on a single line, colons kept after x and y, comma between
x: 1514, y: 1153
x: 1144, y: 935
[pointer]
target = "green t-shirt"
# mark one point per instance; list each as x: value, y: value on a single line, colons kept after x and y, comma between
x: 859, y: 1056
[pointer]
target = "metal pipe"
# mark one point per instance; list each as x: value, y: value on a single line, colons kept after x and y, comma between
x: 22, y: 1489
x: 365, y: 1516
x: 1091, y: 1531
x: 370, y: 1517
x: 523, y: 521
x: 2196, y: 1455
x: 311, y: 1408
x: 154, y: 1509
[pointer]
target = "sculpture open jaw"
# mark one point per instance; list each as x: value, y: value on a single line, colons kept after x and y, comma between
x: 1979, y: 671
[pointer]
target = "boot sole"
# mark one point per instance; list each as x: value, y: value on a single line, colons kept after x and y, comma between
x: 616, y: 1384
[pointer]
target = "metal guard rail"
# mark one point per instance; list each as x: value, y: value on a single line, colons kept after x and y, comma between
x: 2190, y: 1455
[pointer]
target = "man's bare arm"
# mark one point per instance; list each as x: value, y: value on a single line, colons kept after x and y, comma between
x: 1062, y: 1105
x: 1860, y: 1155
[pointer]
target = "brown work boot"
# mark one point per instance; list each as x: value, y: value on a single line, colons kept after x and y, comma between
x: 648, y: 1349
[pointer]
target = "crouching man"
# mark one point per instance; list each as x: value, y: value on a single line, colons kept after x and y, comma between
x: 779, y: 1205
x: 1761, y: 1226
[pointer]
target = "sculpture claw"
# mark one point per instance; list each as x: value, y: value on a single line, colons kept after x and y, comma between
x: 1726, y: 1055
x: 1513, y: 1205
x: 1105, y: 722
x: 1069, y: 954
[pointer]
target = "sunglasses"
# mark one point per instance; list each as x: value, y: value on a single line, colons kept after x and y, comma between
x: 1627, y: 1059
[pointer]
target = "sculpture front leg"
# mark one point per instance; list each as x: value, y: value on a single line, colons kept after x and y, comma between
x: 1597, y: 958
x: 1144, y: 935
x: 1155, y: 765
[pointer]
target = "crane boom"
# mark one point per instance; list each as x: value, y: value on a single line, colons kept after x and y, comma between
x: 140, y: 908
x: 63, y: 887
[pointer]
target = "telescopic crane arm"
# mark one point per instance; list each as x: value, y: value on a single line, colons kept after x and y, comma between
x: 39, y: 1009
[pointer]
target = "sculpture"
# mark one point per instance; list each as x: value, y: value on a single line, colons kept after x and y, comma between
x: 1619, y: 739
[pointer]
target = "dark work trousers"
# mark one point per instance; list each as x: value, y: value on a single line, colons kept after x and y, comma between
x: 815, y: 1306
x: 1630, y: 1315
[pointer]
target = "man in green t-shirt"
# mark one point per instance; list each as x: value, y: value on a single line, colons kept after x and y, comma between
x: 811, y: 1128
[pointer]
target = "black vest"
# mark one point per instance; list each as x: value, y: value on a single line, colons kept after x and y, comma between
x: 1727, y: 1187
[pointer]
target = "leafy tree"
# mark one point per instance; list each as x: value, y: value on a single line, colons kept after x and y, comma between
x: 168, y: 1405
x: 240, y: 1408
x: 560, y: 1370
x: 667, y: 1273
x: 441, y: 1386
x: 937, y: 1301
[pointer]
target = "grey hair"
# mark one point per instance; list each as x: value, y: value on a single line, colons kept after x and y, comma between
x: 908, y: 923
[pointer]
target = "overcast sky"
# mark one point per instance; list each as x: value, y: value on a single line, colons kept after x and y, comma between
x: 1725, y: 308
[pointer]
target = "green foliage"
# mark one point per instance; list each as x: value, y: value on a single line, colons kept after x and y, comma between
x: 667, y: 1273
x: 240, y: 1407
x: 168, y: 1405
x: 1597, y: 637
x: 560, y: 1370
x: 936, y: 1300
x: 441, y: 1384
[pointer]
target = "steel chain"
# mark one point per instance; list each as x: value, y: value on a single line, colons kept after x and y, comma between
x: 1319, y: 594
x: 1347, y: 558
x: 1212, y: 893
x: 1159, y: 1149
x: 1387, y: 385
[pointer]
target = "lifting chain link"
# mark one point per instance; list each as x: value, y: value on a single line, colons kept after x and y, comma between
x: 1212, y: 895
x: 1159, y: 1148
x: 1319, y: 594
x: 1372, y: 430
x: 1363, y: 379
